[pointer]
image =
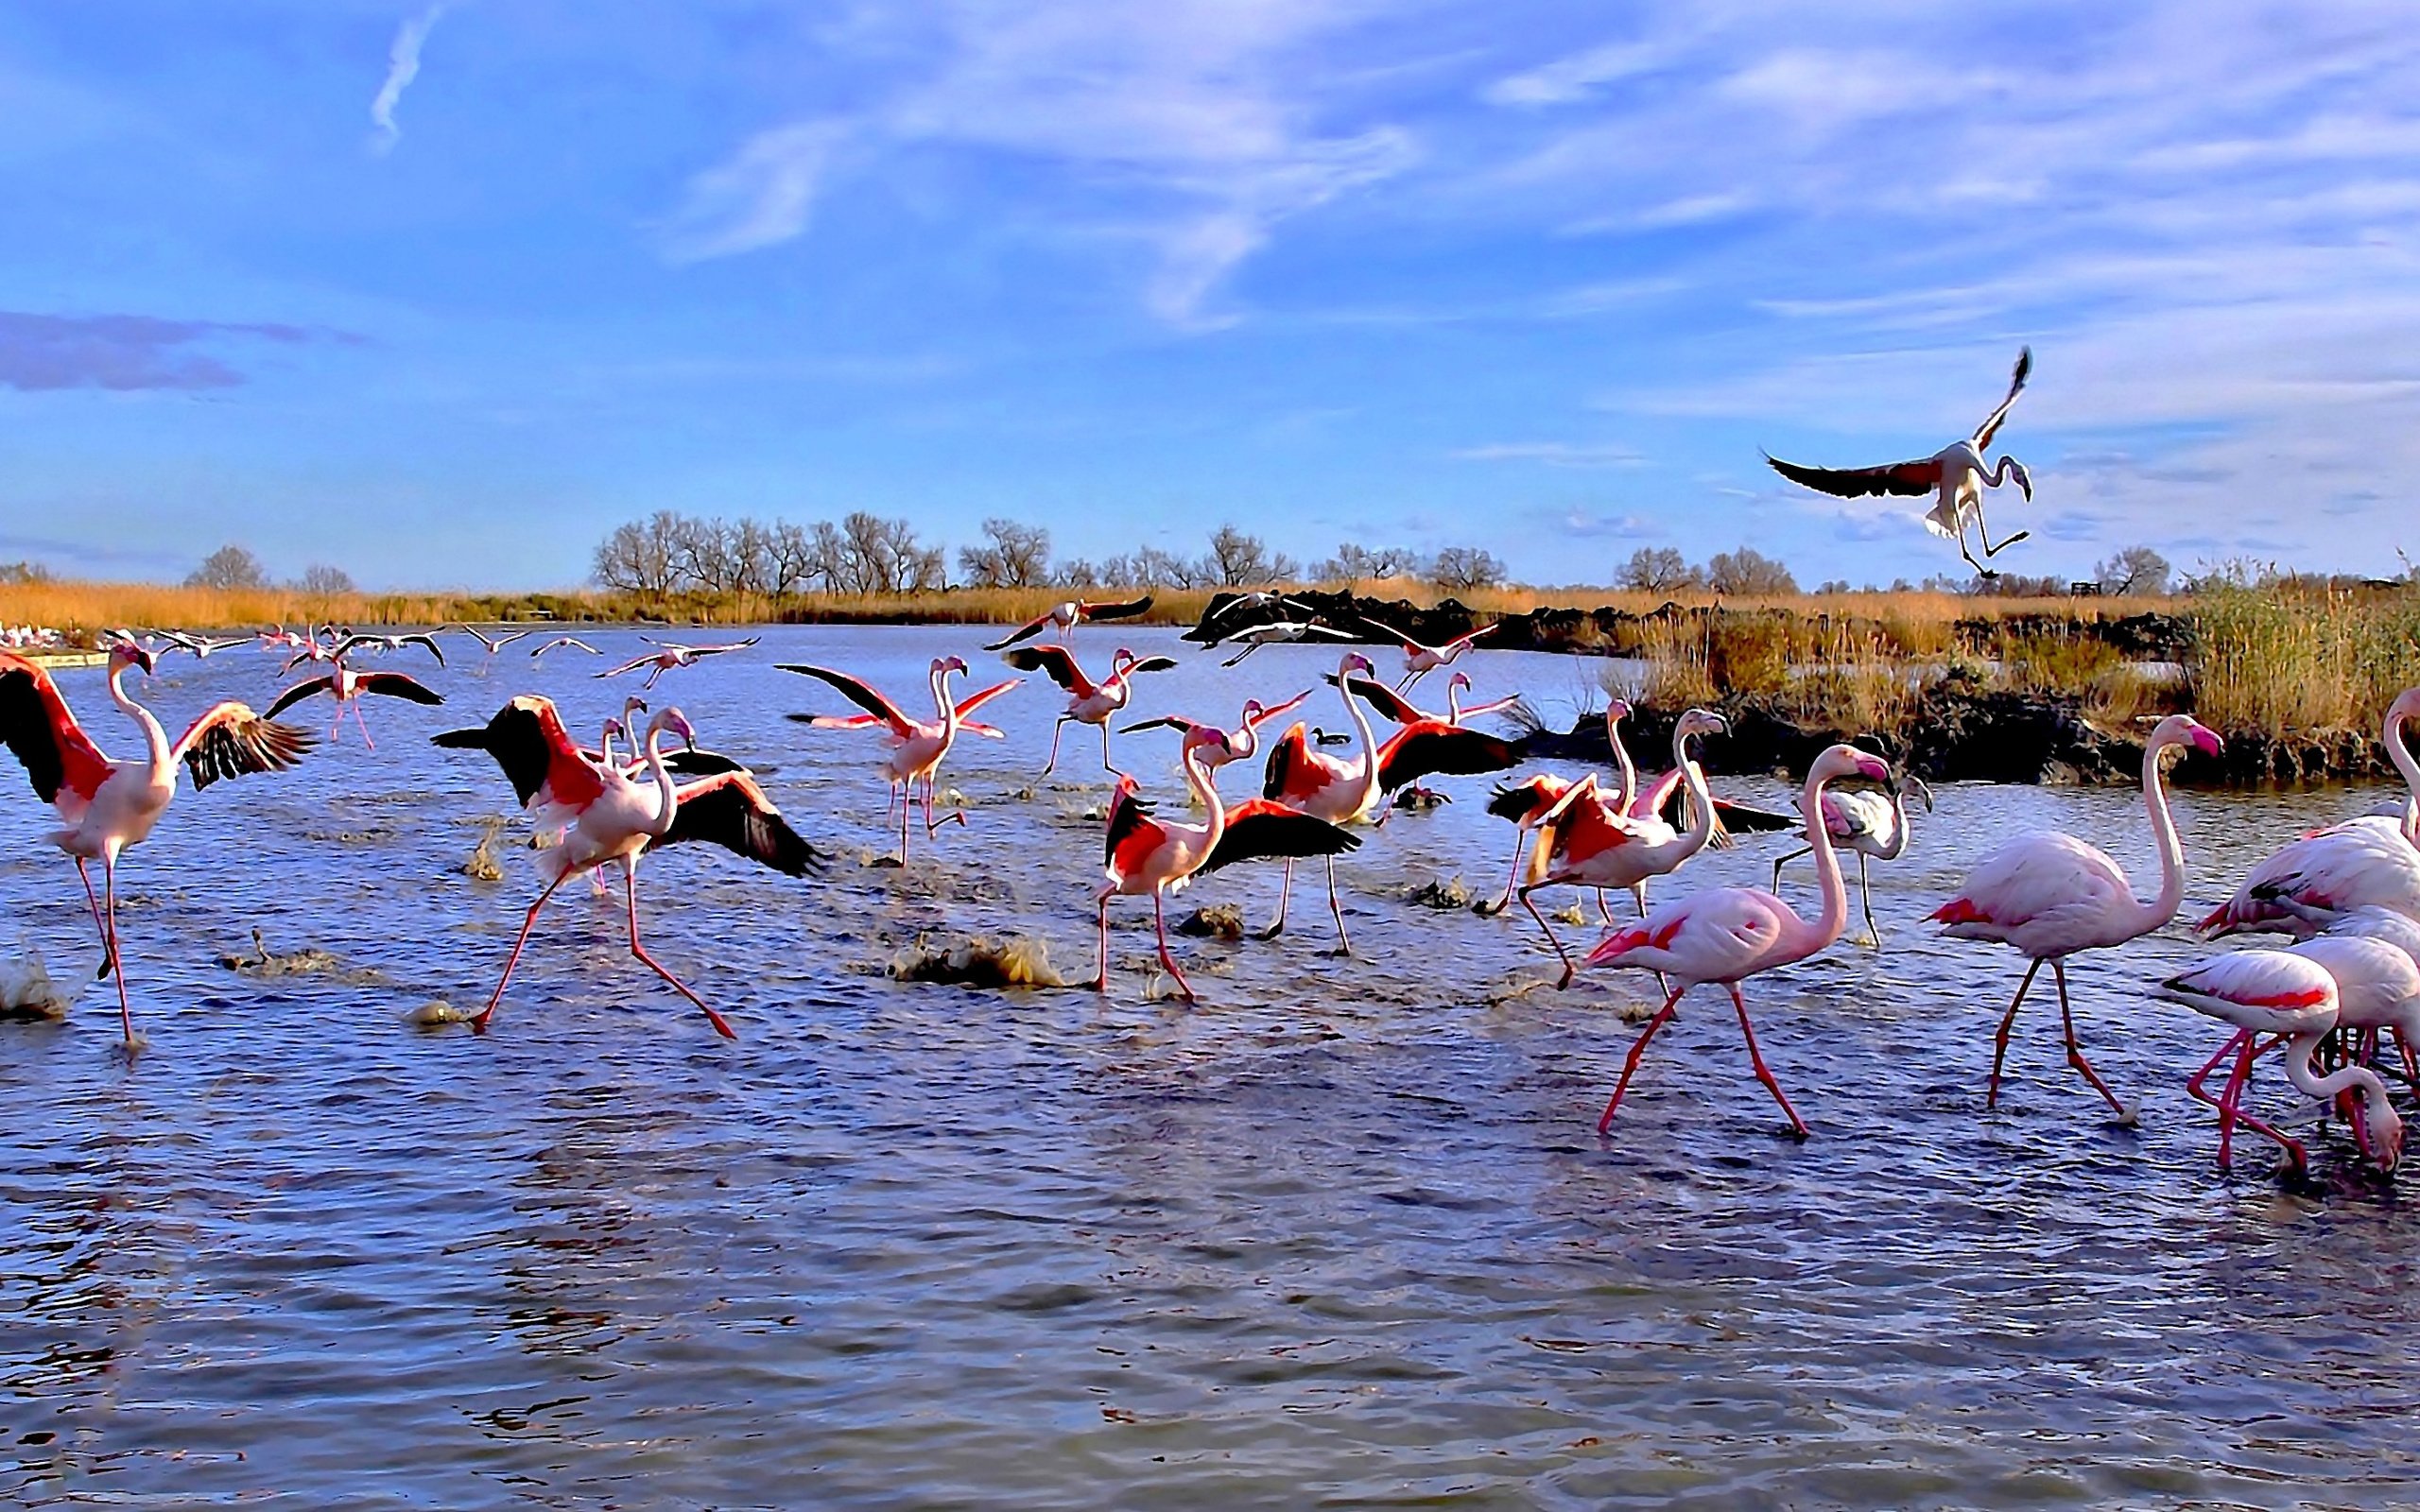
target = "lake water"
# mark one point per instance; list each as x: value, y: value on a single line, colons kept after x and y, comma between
x: 1341, y: 1235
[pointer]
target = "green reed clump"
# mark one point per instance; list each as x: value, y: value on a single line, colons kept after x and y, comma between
x: 2286, y: 657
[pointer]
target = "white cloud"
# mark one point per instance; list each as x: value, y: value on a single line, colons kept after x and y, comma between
x: 764, y: 194
x: 403, y: 66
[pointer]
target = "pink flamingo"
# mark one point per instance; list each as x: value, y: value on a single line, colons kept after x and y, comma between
x: 347, y: 687
x: 1068, y: 615
x: 1428, y: 744
x: 670, y: 656
x: 2369, y: 860
x: 2297, y: 996
x: 1088, y: 702
x: 1872, y: 824
x: 2049, y: 896
x: 1147, y: 855
x: 1340, y: 790
x: 608, y: 815
x: 1419, y: 661
x: 1221, y: 746
x: 1727, y: 934
x: 918, y: 746
x: 106, y: 806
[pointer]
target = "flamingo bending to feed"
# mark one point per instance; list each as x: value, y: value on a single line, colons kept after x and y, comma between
x: 1088, y: 702
x: 1727, y: 934
x: 1419, y: 661
x: 2298, y: 996
x: 347, y: 687
x: 1068, y: 615
x: 608, y: 815
x: 2369, y: 862
x: 1958, y: 473
x: 1872, y: 824
x: 106, y: 806
x: 918, y: 746
x: 671, y: 655
x: 2049, y: 896
x: 1342, y: 790
x: 1221, y: 746
x: 1146, y: 853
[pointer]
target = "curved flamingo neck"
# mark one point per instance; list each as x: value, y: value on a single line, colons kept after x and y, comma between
x: 1900, y: 832
x: 2152, y: 915
x: 667, y: 792
x: 1835, y: 917
x: 1369, y: 745
x: 1205, y: 789
x: 947, y: 711
x: 1621, y: 758
x: 155, y: 739
x: 2299, y: 1052
x: 1701, y: 821
x: 2410, y: 767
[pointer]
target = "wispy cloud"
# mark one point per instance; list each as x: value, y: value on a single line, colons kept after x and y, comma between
x: 122, y: 352
x: 763, y: 194
x: 403, y: 66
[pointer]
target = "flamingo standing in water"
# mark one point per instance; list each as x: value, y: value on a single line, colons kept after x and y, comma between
x: 2049, y: 896
x: 1068, y: 615
x: 608, y: 815
x: 918, y: 746
x: 106, y: 806
x: 1146, y: 853
x: 1221, y: 746
x: 1872, y: 824
x: 1427, y: 743
x: 2297, y: 997
x: 1727, y: 934
x: 1088, y: 702
x: 1337, y: 789
x: 347, y: 687
x: 1957, y: 473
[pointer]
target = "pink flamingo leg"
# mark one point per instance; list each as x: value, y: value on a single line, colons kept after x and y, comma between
x: 480, y: 1023
x: 1630, y: 1066
x: 2193, y: 1089
x: 1285, y: 895
x: 1056, y: 730
x: 1604, y: 915
x: 1567, y: 967
x: 630, y: 882
x: 1747, y: 1032
x: 2295, y: 1156
x: 100, y: 926
x: 956, y: 816
x: 905, y: 807
x: 1520, y: 844
x: 1999, y: 1040
x: 361, y: 725
x: 1159, y: 918
x: 1100, y: 982
x: 108, y: 882
x: 1343, y: 942
x: 2075, y: 1052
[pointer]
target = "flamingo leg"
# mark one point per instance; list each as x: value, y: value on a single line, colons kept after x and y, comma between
x: 1343, y: 942
x: 2075, y: 1052
x: 1105, y: 764
x: 2296, y: 1157
x: 1285, y: 895
x: 1056, y: 730
x: 1638, y: 897
x: 1520, y: 843
x: 1983, y: 529
x: 101, y: 927
x: 905, y: 806
x: 1604, y: 915
x: 2193, y: 1089
x: 1865, y: 892
x: 1567, y: 967
x: 1764, y: 1074
x: 1100, y: 983
x: 480, y: 1023
x: 109, y: 887
x: 1160, y: 919
x: 1999, y: 1040
x: 631, y: 882
x: 362, y: 725
x: 1780, y: 861
x: 1638, y: 1048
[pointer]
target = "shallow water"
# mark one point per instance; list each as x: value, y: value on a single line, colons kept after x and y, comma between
x: 1341, y: 1235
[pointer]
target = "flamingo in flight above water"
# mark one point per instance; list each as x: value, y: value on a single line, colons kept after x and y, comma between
x: 2049, y: 896
x: 105, y: 806
x: 1221, y: 746
x: 918, y: 746
x: 1419, y: 661
x: 1068, y: 615
x: 1957, y: 473
x: 561, y: 642
x: 671, y: 655
x: 1728, y: 933
x: 1872, y: 824
x: 1147, y: 855
x: 356, y: 642
x: 1274, y: 632
x: 200, y: 647
x: 607, y: 815
x: 1088, y: 702
x: 1342, y: 790
x: 347, y: 687
x: 492, y: 643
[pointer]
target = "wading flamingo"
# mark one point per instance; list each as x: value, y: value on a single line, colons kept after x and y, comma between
x: 608, y: 815
x: 2296, y: 996
x: 1342, y: 790
x: 347, y: 687
x: 1727, y: 934
x: 1957, y: 473
x: 1432, y: 745
x: 1872, y: 824
x: 105, y: 806
x: 671, y: 655
x: 1220, y: 746
x: 918, y: 746
x: 1147, y: 855
x: 2048, y: 896
x: 1068, y: 615
x: 1088, y: 702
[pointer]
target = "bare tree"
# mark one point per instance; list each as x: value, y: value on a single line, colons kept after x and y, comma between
x: 2134, y: 570
x: 323, y: 581
x: 1459, y: 569
x: 1078, y: 573
x: 789, y: 558
x: 229, y: 567
x: 1357, y: 563
x: 641, y: 557
x: 1012, y: 555
x: 1659, y: 570
x: 1748, y: 574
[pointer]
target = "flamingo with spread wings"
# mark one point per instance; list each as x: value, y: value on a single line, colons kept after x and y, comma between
x: 1431, y: 745
x: 106, y: 806
x: 671, y: 655
x: 1221, y: 746
x: 1068, y: 615
x: 1419, y: 661
x: 347, y: 687
x: 1342, y: 790
x: 1088, y: 702
x: 918, y: 746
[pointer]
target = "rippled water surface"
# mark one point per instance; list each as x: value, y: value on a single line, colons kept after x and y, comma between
x: 1343, y: 1234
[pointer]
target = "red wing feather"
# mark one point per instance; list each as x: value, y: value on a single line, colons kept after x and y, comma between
x: 977, y: 700
x: 1133, y: 833
x: 35, y: 723
x: 1023, y: 633
x: 1285, y: 760
x: 1125, y: 609
x: 1435, y: 747
x: 855, y: 692
x: 1907, y: 479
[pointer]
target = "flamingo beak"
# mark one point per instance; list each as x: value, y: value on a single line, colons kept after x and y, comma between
x: 1877, y: 768
x: 1358, y: 662
x: 954, y: 663
x: 2206, y: 741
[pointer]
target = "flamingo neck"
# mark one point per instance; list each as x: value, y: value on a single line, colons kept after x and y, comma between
x: 1702, y: 802
x: 2410, y: 767
x: 1205, y: 789
x: 1622, y: 759
x: 1454, y: 703
x: 2161, y: 910
x: 1835, y: 917
x: 1900, y: 832
x: 2374, y: 1105
x: 1368, y: 746
x: 155, y: 740
x: 947, y: 709
x: 667, y: 792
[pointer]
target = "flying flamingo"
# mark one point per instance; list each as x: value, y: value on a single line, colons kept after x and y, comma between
x: 1147, y: 855
x: 561, y: 642
x: 2049, y: 895
x: 918, y: 746
x: 1220, y: 746
x: 608, y: 815
x: 1872, y: 824
x: 1958, y: 473
x: 1340, y: 790
x: 2368, y: 861
x: 1274, y: 632
x: 200, y: 647
x: 1728, y: 933
x: 1419, y: 661
x: 355, y: 641
x: 2297, y: 995
x: 105, y: 806
x: 1068, y: 615
x: 1258, y: 600
x: 492, y: 643
x: 346, y: 687
x: 671, y: 655
x: 1088, y: 702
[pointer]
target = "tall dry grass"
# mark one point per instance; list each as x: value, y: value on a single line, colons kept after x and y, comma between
x: 2282, y: 659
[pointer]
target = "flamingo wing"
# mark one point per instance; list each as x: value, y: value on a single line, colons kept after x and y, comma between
x: 718, y: 650
x: 1493, y: 706
x: 855, y: 692
x: 1152, y: 663
x: 1257, y: 829
x: 2254, y: 989
x: 299, y: 691
x: 1719, y: 935
x: 1054, y: 661
x: 35, y: 723
x: 632, y: 666
x: 232, y: 741
x: 1908, y: 479
x: 1991, y: 426
x: 1380, y: 697
x: 1121, y: 610
x: 396, y: 685
x: 1288, y: 773
x: 1133, y: 835
x: 733, y: 812
x: 977, y: 700
x: 1023, y: 633
x: 527, y: 739
x: 1288, y: 707
x: 2036, y: 879
x: 1164, y: 722
x: 1522, y: 802
x: 1433, y: 747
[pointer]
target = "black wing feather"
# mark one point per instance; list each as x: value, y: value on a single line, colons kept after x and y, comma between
x: 1125, y: 611
x: 1443, y: 751
x: 1277, y: 832
x: 849, y: 688
x: 239, y: 747
x: 732, y: 815
x: 297, y: 693
x: 517, y: 740
x: 1051, y: 660
x: 24, y: 722
x: 1857, y: 482
x: 396, y: 685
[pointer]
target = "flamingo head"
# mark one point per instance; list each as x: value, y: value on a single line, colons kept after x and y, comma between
x: 1700, y: 722
x: 1923, y: 790
x: 2183, y: 729
x: 631, y: 707
x: 1253, y: 709
x: 1617, y: 711
x: 2386, y: 1134
x: 2404, y: 708
x: 944, y: 665
x: 1459, y: 680
x: 678, y: 723
x: 615, y: 729
x: 1120, y: 659
x: 1355, y: 661
x: 1848, y: 761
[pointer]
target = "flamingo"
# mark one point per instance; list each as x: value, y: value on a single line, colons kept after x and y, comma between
x: 382, y: 643
x: 2049, y: 896
x: 1252, y: 638
x: 346, y: 687
x: 1872, y: 824
x: 1146, y: 853
x: 1728, y: 933
x: 1661, y: 795
x: 562, y: 641
x: 200, y: 647
x: 2366, y: 861
x: 1088, y: 702
x: 2299, y: 996
x: 492, y: 643
x: 1419, y: 661
x: 918, y: 746
x: 1404, y: 711
x: 1958, y: 473
x: 1259, y: 600
x: 1068, y: 615
x: 1340, y: 790
x: 671, y: 655
x: 608, y: 815
x: 1221, y: 746
x: 106, y: 806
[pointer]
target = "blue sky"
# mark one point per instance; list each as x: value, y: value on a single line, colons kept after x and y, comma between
x: 441, y: 294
